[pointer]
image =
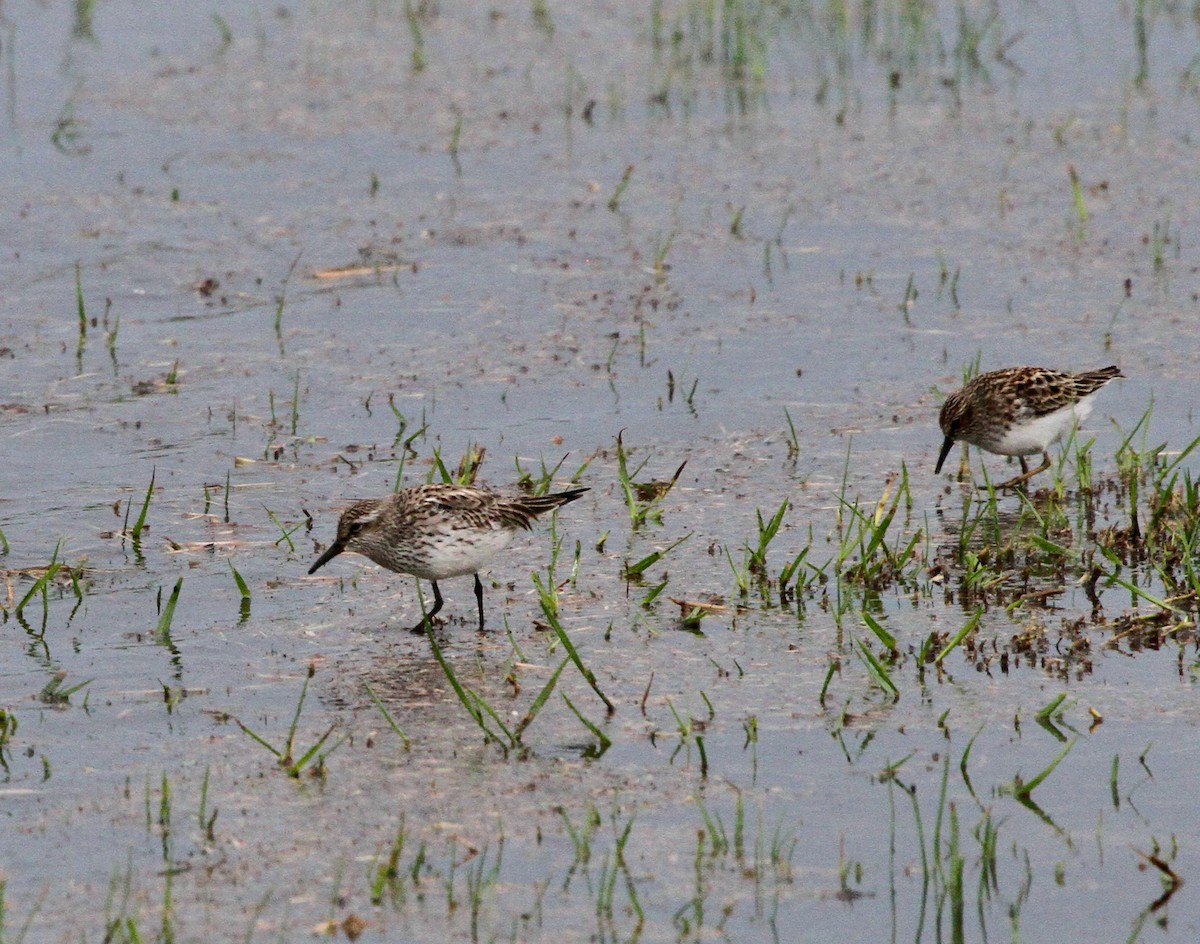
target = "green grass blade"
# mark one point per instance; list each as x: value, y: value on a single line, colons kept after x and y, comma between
x: 540, y: 700
x: 240, y: 581
x: 829, y: 673
x: 1145, y: 595
x: 291, y: 735
x: 303, y: 762
x: 880, y: 633
x: 1049, y: 709
x: 245, y: 730
x: 877, y: 668
x: 484, y: 707
x: 136, y: 533
x: 163, y: 632
x: 294, y: 769
x: 962, y: 764
x: 43, y: 581
x: 1025, y: 789
x: 387, y: 716
x: 959, y: 636
x: 605, y: 741
x: 639, y: 567
x: 472, y: 709
x: 79, y: 306
x: 549, y: 608
x: 440, y: 467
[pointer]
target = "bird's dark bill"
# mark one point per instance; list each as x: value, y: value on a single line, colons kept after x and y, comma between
x: 331, y: 552
x: 946, y: 447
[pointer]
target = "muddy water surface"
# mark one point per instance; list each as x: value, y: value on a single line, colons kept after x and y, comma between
x: 300, y: 235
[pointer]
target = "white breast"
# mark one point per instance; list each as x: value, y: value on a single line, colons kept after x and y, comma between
x: 1030, y: 436
x: 453, y: 553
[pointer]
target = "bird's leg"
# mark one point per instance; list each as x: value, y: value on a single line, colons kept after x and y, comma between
x: 437, y: 605
x: 1026, y: 472
x: 479, y: 600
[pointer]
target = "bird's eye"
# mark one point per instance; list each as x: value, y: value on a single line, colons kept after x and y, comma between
x: 353, y: 527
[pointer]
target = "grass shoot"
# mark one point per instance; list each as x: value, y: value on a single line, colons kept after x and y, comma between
x: 285, y: 755
x: 642, y: 499
x: 162, y: 632
x: 135, y: 535
x: 614, y: 201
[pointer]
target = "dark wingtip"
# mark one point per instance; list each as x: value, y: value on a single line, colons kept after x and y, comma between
x: 331, y: 552
x: 947, y: 445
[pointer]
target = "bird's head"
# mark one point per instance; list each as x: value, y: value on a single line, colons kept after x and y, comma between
x: 956, y: 416
x: 355, y: 532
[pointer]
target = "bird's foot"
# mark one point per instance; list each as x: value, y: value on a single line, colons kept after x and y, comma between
x: 1019, y: 481
x: 422, y: 628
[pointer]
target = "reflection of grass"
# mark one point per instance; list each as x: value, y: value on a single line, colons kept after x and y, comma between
x: 388, y: 876
x: 452, y: 148
x: 412, y: 16
x: 286, y: 754
x: 1157, y: 241
x: 540, y: 15
x: 1081, y: 213
x: 1141, y: 42
x: 901, y: 46
x: 69, y: 128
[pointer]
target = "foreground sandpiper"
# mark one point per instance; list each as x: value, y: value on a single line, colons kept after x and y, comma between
x: 438, y: 531
x: 1019, y: 412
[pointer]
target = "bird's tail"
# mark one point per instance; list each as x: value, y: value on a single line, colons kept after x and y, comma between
x: 520, y: 512
x: 1093, y: 380
x: 537, y: 504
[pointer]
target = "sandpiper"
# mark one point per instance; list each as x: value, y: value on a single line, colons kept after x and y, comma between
x: 438, y: 531
x: 1019, y: 412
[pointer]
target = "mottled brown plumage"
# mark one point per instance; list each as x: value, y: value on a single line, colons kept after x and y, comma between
x: 1019, y: 412
x: 438, y: 531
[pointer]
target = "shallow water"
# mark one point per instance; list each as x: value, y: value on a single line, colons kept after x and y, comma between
x: 760, y: 777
